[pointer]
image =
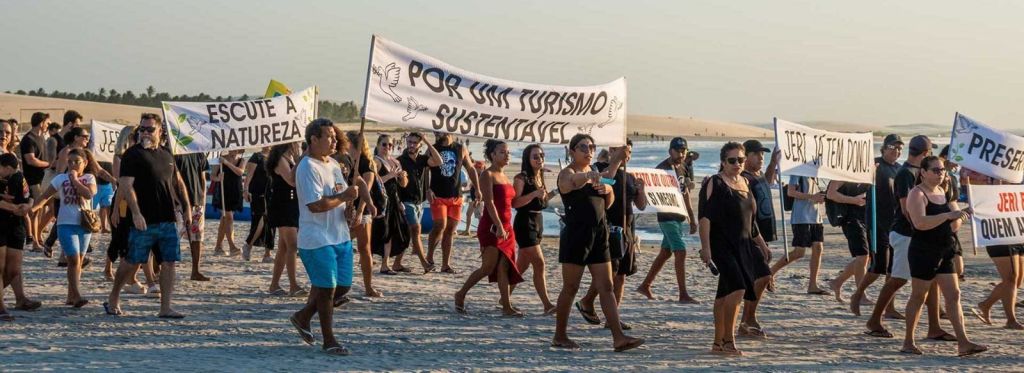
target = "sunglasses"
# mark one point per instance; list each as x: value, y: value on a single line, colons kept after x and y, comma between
x: 735, y: 160
x: 893, y: 147
x: 586, y: 148
x: 147, y: 129
x: 538, y: 156
x: 937, y: 170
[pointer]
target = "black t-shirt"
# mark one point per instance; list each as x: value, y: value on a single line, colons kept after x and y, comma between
x: 16, y: 187
x: 765, y: 214
x: 153, y: 171
x: 614, y: 212
x: 444, y: 179
x: 682, y: 174
x: 192, y: 166
x: 906, y: 179
x: 32, y: 144
x: 853, y: 190
x: 885, y: 177
x: 259, y: 180
x: 106, y: 166
x: 413, y: 191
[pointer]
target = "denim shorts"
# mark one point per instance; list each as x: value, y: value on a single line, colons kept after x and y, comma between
x: 413, y: 213
x: 74, y: 239
x: 161, y: 239
x: 328, y: 266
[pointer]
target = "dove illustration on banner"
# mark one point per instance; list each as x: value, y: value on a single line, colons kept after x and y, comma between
x: 412, y: 109
x: 388, y: 79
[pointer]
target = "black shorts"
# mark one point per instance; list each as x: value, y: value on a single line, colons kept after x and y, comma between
x: 625, y: 262
x: 926, y: 263
x: 529, y: 228
x: 881, y: 260
x: 14, y: 237
x: 1000, y: 251
x: 584, y: 245
x: 804, y: 235
x: 856, y: 237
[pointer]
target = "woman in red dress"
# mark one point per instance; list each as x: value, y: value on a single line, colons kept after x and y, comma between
x: 497, y: 241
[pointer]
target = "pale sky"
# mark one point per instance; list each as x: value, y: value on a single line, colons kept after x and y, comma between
x: 870, y: 62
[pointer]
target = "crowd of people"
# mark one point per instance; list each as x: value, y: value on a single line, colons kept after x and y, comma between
x: 333, y: 197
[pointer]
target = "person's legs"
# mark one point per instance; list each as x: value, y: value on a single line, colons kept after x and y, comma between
x: 855, y: 268
x: 750, y: 306
x: 1004, y: 291
x: 571, y: 276
x: 885, y: 300
x: 919, y: 291
x: 795, y: 254
x: 659, y: 261
x: 601, y: 273
x: 3, y: 267
x: 437, y: 213
x: 948, y: 284
x: 730, y: 312
x: 534, y: 256
x: 505, y: 294
x: 195, y: 237
x: 815, y: 267
x: 14, y: 278
x: 222, y: 227
x: 120, y: 279
x: 448, y: 239
x: 384, y: 267
x: 229, y: 232
x: 166, y: 288
x: 680, y: 265
x: 362, y: 235
x: 489, y: 261
x: 284, y: 234
x: 855, y: 299
x: 932, y: 303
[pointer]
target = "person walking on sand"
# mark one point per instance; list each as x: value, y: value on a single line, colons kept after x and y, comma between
x: 229, y: 175
x: 1010, y: 265
x: 760, y: 185
x: 256, y: 184
x: 931, y: 254
x: 151, y: 184
x: 445, y: 198
x: 729, y: 236
x: 497, y: 239
x: 808, y: 228
x: 583, y: 243
x: 193, y: 168
x: 369, y: 206
x: 285, y: 216
x: 15, y: 205
x: 412, y: 194
x: 325, y: 245
x: 672, y: 228
x: 531, y: 198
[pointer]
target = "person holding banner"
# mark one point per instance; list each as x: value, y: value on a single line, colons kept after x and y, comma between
x: 412, y: 194
x: 445, y: 198
x: 808, y: 228
x: 931, y: 254
x: 761, y: 186
x: 583, y: 243
x: 672, y: 230
x: 1010, y: 265
x: 229, y: 175
x: 851, y: 199
x: 497, y: 239
x: 193, y: 168
x: 280, y: 165
x: 256, y: 184
x: 729, y: 236
x: 886, y: 168
x: 532, y: 197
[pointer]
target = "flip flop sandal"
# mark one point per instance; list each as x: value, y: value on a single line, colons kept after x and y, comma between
x: 460, y: 309
x: 631, y: 345
x: 430, y: 268
x: 878, y: 333
x: 944, y: 337
x: 973, y: 351
x: 117, y: 312
x: 299, y: 293
x: 81, y: 303
x: 589, y: 316
x: 550, y: 311
x: 6, y: 317
x: 450, y: 271
x: 389, y: 272
x: 566, y: 345
x: 341, y: 301
x: 976, y: 313
x: 48, y: 252
x: 174, y: 316
x: 336, y: 351
x: 819, y: 292
x: 306, y: 335
x: 915, y: 351
x: 278, y: 293
x: 29, y: 306
x: 86, y: 262
x: 403, y: 270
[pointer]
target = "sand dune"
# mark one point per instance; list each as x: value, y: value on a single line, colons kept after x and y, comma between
x: 21, y: 108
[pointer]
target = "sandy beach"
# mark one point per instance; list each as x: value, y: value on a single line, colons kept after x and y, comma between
x: 234, y: 325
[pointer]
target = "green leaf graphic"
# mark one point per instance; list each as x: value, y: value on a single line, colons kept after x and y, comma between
x: 182, y: 118
x: 958, y: 158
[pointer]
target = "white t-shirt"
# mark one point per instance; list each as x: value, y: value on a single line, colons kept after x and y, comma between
x: 315, y: 179
x: 70, y: 201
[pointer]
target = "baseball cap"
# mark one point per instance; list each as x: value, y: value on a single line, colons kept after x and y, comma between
x: 754, y: 146
x: 919, y: 144
x: 892, y: 139
x: 678, y: 143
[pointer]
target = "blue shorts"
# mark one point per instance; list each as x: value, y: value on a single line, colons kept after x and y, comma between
x: 413, y: 213
x: 104, y: 196
x: 161, y: 239
x: 672, y: 235
x: 329, y: 266
x: 74, y: 239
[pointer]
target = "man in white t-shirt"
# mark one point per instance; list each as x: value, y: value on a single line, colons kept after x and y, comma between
x: 324, y: 243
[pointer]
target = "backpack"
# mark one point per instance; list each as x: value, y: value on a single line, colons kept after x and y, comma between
x: 836, y: 212
x: 787, y: 199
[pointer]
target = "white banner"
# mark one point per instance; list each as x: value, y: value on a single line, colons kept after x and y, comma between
x: 662, y: 189
x: 103, y: 139
x: 822, y: 154
x: 411, y: 89
x: 197, y: 127
x: 998, y: 214
x: 984, y: 149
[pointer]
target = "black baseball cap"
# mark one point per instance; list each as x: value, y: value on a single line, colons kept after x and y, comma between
x: 678, y: 143
x: 892, y: 139
x: 754, y: 146
x: 919, y: 144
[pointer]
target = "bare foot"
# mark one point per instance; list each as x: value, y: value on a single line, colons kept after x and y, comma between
x: 646, y: 291
x: 565, y: 343
x: 629, y: 344
x: 460, y: 303
x: 855, y: 303
x: 729, y: 348
x: 913, y: 350
x: 686, y: 299
x: 196, y: 276
x: 1013, y: 325
x: 865, y: 301
x: 894, y: 315
x: 373, y: 293
x: 837, y: 290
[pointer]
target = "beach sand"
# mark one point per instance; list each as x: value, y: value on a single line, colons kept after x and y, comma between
x: 233, y: 325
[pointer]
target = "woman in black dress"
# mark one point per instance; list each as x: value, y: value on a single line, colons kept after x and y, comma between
x: 531, y: 198
x: 361, y: 220
x: 932, y: 253
x: 256, y: 185
x: 284, y: 215
x: 229, y: 175
x: 728, y: 235
x: 584, y: 243
x: 390, y: 230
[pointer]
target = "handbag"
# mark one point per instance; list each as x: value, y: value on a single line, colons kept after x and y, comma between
x: 90, y: 220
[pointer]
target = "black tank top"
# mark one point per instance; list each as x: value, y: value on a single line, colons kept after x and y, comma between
x: 232, y: 182
x: 444, y: 179
x: 536, y: 204
x: 939, y: 238
x: 583, y: 207
x: 280, y: 192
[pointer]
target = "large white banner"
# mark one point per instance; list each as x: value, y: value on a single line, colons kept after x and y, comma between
x: 197, y: 127
x: 998, y: 214
x: 411, y: 89
x: 823, y: 154
x: 103, y: 139
x: 987, y: 150
x: 662, y: 189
